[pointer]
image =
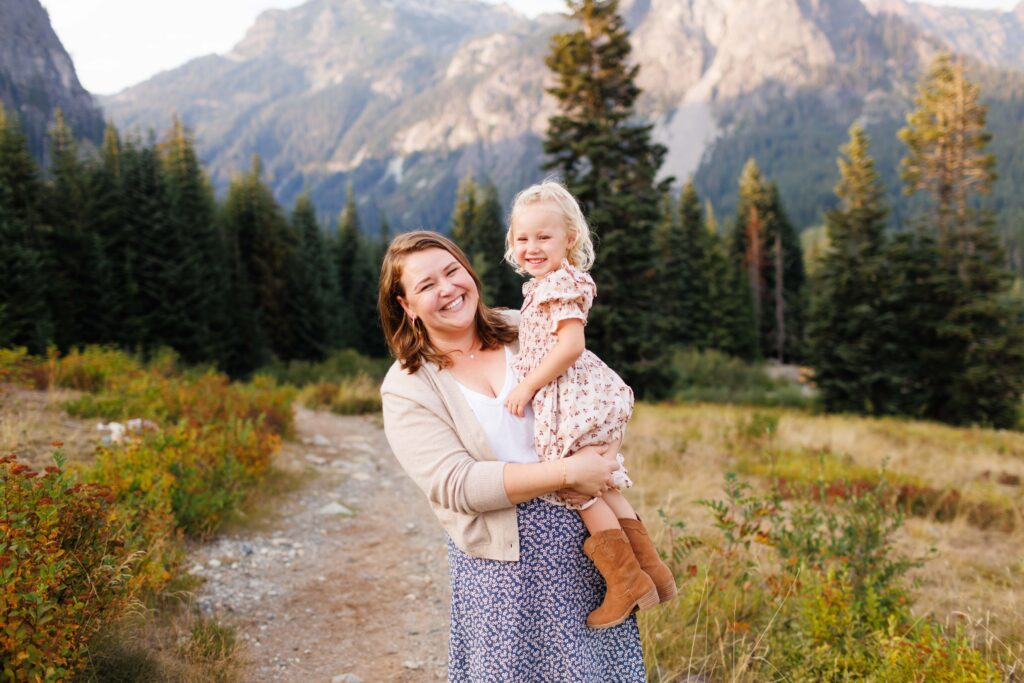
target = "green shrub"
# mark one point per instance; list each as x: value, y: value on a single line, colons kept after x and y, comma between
x: 16, y: 366
x: 713, y: 377
x: 65, y: 569
x: 814, y: 589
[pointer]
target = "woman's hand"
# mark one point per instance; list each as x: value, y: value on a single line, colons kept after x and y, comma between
x: 519, y: 398
x: 588, y: 472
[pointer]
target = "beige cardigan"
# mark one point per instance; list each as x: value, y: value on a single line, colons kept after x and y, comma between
x: 439, y: 442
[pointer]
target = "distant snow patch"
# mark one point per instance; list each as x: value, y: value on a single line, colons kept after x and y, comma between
x: 687, y: 131
x: 395, y: 169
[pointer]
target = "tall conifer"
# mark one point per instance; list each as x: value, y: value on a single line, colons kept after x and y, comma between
x: 609, y: 162
x: 309, y: 278
x: 766, y: 244
x: 357, y: 278
x: 67, y: 213
x: 848, y: 322
x: 684, y: 286
x: 979, y: 376
x: 200, y: 249
x: 26, y: 317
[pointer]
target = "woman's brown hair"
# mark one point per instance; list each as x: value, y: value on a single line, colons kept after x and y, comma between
x: 408, y: 341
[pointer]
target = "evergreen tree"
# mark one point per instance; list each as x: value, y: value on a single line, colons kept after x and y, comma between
x: 67, y: 213
x: 766, y: 244
x: 848, y: 323
x: 143, y: 247
x: 309, y: 281
x: 978, y: 374
x: 198, y: 309
x: 610, y: 164
x: 357, y: 278
x: 104, y: 178
x: 26, y: 319
x: 731, y: 320
x: 946, y: 138
x: 478, y: 228
x: 259, y: 246
x: 782, y: 326
x: 748, y: 241
x: 684, y: 286
x: 463, y: 216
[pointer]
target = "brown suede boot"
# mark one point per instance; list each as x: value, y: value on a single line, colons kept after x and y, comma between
x: 628, y: 587
x: 647, y: 556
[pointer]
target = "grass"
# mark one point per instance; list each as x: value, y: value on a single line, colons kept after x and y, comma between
x: 356, y: 395
x: 970, y: 576
x: 166, y: 643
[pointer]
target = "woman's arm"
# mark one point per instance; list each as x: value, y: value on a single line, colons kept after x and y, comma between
x: 571, y: 343
x: 431, y: 452
x: 587, y: 472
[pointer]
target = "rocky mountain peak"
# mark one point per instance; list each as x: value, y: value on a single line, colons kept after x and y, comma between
x: 37, y: 75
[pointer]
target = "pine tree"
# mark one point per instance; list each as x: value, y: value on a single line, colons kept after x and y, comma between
x: 748, y: 241
x: 146, y: 250
x: 357, y: 278
x: 978, y: 374
x: 478, y: 228
x: 259, y: 247
x: 104, y: 175
x: 783, y: 323
x: 766, y: 244
x: 199, y: 309
x: 946, y: 137
x: 684, y: 286
x: 26, y: 318
x: 463, y: 216
x: 610, y: 164
x: 67, y: 216
x: 848, y: 323
x: 309, y: 276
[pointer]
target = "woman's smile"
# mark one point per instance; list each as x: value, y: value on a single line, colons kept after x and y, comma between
x: 440, y: 292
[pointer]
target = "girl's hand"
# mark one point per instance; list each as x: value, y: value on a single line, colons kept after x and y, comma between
x: 518, y: 399
x: 589, y: 472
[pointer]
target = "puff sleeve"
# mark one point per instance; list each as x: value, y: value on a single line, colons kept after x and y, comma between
x: 565, y: 294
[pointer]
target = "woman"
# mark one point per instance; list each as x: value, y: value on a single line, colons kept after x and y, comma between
x: 521, y: 585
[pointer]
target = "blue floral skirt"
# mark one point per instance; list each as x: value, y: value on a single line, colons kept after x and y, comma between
x: 525, y: 621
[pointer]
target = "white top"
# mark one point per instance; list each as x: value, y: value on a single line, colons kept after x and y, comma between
x: 510, y: 436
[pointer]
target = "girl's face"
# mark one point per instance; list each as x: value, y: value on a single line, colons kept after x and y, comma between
x: 540, y: 237
x: 439, y: 291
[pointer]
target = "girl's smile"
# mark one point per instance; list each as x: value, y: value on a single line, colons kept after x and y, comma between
x: 541, y: 238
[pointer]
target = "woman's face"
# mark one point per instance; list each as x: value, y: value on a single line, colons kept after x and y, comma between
x: 439, y: 291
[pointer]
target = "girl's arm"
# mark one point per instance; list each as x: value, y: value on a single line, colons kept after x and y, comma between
x: 571, y: 343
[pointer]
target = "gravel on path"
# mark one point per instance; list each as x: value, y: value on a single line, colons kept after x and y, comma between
x: 350, y: 583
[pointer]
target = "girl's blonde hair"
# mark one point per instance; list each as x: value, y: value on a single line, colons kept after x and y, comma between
x: 581, y: 253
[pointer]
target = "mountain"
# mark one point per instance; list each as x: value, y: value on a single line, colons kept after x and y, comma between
x: 990, y: 36
x: 37, y: 76
x: 401, y: 98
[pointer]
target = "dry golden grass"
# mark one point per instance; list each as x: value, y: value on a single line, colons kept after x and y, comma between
x: 31, y: 420
x: 678, y: 454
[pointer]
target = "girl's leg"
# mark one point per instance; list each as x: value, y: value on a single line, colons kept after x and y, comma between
x: 619, y: 506
x: 599, y: 517
x: 614, y: 499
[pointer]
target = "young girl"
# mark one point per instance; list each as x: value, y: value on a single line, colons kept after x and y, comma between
x: 577, y: 400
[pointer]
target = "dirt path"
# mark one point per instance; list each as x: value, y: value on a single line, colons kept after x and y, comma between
x: 325, y: 595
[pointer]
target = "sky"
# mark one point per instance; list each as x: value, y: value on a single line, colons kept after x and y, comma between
x: 117, y: 43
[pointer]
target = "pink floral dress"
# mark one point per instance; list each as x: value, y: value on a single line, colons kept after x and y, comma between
x: 587, y: 404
